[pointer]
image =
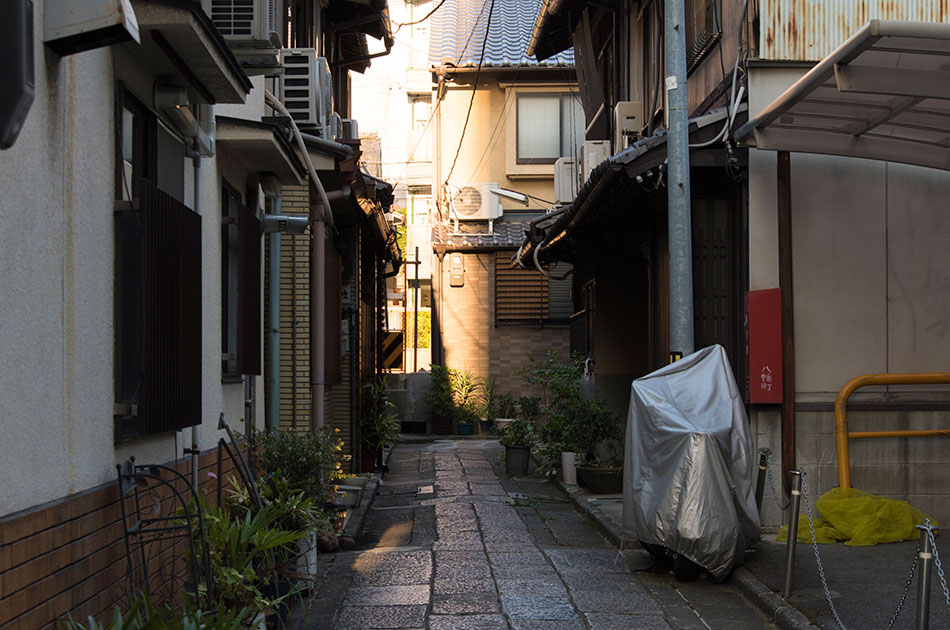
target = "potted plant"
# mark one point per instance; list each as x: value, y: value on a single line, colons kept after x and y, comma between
x: 506, y: 410
x: 488, y: 386
x: 517, y: 439
x: 602, y: 447
x: 530, y: 407
x: 380, y: 422
x: 439, y: 398
x: 466, y: 399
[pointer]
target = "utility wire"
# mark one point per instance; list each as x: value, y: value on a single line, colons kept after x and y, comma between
x: 399, y: 25
x: 478, y: 71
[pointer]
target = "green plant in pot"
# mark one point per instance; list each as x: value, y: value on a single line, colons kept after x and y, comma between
x: 488, y: 387
x: 379, y: 423
x: 310, y: 462
x: 465, y: 395
x: 602, y: 446
x: 517, y: 438
x: 440, y: 401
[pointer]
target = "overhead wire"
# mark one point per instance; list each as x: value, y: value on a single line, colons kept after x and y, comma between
x: 399, y: 25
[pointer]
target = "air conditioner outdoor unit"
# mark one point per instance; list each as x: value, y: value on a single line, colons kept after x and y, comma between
x: 304, y: 87
x: 565, y: 180
x: 476, y: 203
x: 627, y: 124
x: 246, y: 23
x: 593, y: 153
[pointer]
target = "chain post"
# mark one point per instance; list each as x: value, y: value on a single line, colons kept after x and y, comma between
x: 792, y: 532
x: 764, y: 454
x: 923, y: 586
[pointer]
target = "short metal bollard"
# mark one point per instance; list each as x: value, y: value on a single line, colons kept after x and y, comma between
x: 923, y: 586
x: 764, y: 454
x: 796, y: 503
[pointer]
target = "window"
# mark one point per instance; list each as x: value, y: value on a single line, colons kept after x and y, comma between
x: 526, y: 296
x: 550, y: 125
x: 240, y: 287
x: 158, y: 288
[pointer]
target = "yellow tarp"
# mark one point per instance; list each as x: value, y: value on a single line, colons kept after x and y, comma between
x: 859, y: 519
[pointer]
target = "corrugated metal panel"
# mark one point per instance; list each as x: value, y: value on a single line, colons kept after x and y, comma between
x: 810, y: 29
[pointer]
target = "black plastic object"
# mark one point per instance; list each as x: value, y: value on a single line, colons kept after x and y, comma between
x: 16, y: 71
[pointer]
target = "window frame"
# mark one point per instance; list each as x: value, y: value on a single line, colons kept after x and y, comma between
x: 530, y: 168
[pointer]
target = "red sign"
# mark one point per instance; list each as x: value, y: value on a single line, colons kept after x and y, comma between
x: 763, y: 329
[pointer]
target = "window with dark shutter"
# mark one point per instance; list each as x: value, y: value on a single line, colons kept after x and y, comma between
x: 240, y: 287
x: 158, y: 332
x: 527, y: 296
x: 702, y: 29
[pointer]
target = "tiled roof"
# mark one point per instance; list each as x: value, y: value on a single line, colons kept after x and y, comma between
x: 458, y: 30
x: 505, y: 235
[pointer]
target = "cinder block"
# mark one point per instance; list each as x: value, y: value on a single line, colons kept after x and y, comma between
x: 892, y: 479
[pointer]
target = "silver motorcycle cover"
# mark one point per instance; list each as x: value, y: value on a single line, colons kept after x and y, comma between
x: 689, y: 466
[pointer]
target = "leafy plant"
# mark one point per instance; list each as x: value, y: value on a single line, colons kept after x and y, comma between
x: 506, y: 406
x: 465, y: 395
x: 487, y: 387
x: 439, y: 395
x: 379, y: 421
x: 310, y: 462
x: 143, y: 614
x: 530, y: 407
x: 243, y: 547
x: 519, y: 432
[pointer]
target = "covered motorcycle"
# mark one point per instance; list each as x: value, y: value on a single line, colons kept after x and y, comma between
x: 689, y: 482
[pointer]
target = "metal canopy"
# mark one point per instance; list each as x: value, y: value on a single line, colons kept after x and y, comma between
x: 884, y: 94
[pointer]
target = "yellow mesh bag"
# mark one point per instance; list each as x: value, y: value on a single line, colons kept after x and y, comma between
x: 859, y: 519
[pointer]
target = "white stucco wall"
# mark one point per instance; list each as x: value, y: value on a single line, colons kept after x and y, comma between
x: 872, y: 295
x: 56, y: 289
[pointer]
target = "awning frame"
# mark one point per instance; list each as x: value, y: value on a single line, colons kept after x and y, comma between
x: 848, y: 105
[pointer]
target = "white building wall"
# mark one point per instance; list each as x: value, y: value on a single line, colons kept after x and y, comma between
x: 57, y: 253
x: 871, y: 296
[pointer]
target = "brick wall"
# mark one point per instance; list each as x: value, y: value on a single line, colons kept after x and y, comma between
x: 69, y: 556
x: 472, y: 341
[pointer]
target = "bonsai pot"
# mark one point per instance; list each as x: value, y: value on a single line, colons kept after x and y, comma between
x: 466, y: 428
x: 516, y: 460
x: 441, y: 424
x: 602, y: 479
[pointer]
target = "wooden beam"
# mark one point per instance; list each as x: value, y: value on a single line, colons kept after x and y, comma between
x: 784, y: 192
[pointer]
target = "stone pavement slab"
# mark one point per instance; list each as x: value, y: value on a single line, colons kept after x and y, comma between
x: 452, y: 544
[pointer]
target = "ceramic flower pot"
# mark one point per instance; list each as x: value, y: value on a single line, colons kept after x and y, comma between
x: 516, y: 460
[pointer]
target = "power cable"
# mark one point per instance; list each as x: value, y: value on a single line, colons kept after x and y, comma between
x: 478, y: 71
x: 399, y: 25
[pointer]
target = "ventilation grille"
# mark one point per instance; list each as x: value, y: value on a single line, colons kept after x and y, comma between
x: 234, y: 17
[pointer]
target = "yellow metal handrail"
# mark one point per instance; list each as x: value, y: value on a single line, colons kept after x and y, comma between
x: 841, y: 414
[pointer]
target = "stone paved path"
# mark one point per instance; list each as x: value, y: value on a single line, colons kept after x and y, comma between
x: 452, y: 544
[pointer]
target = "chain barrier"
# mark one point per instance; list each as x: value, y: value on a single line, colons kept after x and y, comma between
x: 814, y: 541
x: 821, y: 570
x: 771, y: 484
x: 933, y: 545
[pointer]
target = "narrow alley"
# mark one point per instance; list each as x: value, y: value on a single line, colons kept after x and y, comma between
x: 451, y: 543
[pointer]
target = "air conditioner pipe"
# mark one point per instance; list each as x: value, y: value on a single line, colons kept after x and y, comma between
x: 337, y: 148
x: 318, y: 297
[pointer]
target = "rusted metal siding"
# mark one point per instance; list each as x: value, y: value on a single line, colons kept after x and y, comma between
x: 810, y: 29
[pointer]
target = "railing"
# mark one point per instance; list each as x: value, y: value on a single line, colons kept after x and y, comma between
x: 841, y: 414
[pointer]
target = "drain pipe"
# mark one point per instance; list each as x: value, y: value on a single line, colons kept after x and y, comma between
x: 322, y: 219
x: 193, y: 451
x: 272, y: 191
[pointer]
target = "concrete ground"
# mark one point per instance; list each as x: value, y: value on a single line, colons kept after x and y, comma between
x: 451, y: 543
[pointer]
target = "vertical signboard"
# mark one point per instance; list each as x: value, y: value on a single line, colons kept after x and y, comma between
x: 764, y: 346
